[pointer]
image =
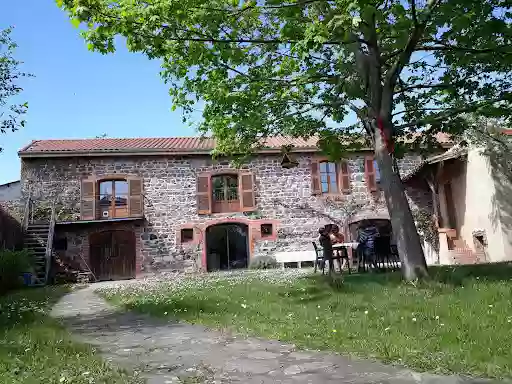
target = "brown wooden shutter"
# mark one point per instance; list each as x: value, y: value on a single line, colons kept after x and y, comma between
x: 204, y: 194
x: 315, y: 178
x: 246, y: 190
x: 369, y: 171
x: 345, y: 177
x: 88, y: 200
x: 136, y: 198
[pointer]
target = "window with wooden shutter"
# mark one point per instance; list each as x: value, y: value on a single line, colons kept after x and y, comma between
x: 247, y: 195
x: 136, y: 197
x: 204, y: 194
x: 369, y: 171
x: 328, y: 171
x: 315, y: 178
x: 345, y: 177
x: 88, y: 200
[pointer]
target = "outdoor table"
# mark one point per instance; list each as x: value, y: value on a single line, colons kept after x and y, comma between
x: 352, y: 245
x: 340, y: 247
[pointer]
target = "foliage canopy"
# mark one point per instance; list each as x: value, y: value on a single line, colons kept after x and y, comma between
x: 11, y: 113
x: 308, y: 67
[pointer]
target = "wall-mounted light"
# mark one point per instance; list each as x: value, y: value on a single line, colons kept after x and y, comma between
x: 288, y: 161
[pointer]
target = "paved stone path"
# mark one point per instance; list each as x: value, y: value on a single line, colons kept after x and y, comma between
x: 167, y: 352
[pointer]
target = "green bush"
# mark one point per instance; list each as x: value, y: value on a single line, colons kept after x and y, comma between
x: 12, y: 266
x: 263, y: 262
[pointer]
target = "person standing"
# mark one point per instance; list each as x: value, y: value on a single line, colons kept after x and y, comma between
x: 367, y: 234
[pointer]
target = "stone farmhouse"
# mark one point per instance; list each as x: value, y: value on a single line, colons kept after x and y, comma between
x: 124, y: 207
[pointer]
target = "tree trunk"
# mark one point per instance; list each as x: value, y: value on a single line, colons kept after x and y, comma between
x: 407, y: 238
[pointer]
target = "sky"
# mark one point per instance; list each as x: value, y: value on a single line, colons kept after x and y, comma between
x: 77, y: 93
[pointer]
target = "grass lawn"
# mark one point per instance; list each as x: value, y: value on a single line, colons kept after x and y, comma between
x: 460, y: 322
x: 36, y: 349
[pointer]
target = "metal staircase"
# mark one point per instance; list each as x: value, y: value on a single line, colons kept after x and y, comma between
x: 38, y: 239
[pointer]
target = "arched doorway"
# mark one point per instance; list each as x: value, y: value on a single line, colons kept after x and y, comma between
x: 227, y: 246
x: 112, y: 255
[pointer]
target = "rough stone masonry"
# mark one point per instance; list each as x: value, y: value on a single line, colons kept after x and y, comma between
x: 283, y: 197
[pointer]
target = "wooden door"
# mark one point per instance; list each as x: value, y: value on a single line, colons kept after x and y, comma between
x: 112, y: 255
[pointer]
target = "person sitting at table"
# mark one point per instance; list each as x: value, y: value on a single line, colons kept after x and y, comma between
x: 335, y: 235
x: 367, y: 233
x: 325, y: 242
x: 338, y: 238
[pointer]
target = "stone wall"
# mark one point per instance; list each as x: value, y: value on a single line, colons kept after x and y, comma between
x: 77, y: 254
x: 282, y: 195
x: 11, y: 216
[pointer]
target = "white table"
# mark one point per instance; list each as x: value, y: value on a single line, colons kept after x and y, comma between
x: 353, y: 245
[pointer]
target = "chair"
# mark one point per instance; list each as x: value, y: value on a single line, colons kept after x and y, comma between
x: 395, y: 257
x: 319, y: 257
x: 382, y: 251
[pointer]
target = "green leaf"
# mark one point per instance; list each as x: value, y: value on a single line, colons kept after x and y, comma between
x: 75, y: 22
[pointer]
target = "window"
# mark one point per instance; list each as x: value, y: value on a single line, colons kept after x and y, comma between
x: 187, y: 235
x: 328, y: 177
x: 371, y: 173
x: 266, y: 230
x: 377, y: 171
x: 225, y: 188
x: 223, y: 193
x: 60, y: 244
x: 113, y: 198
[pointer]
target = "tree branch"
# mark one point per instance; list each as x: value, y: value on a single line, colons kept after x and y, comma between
x: 416, y: 110
x: 449, y: 113
x: 413, y: 12
x: 425, y: 86
x: 449, y: 47
x: 395, y: 70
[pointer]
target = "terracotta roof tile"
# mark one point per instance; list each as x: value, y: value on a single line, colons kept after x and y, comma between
x: 165, y: 144
x: 168, y: 144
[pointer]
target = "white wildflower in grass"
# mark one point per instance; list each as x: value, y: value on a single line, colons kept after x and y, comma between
x: 334, y: 331
x: 244, y: 306
x: 317, y: 318
x: 365, y: 312
x: 490, y: 305
x: 165, y: 313
x: 437, y: 317
x: 414, y: 319
x: 387, y: 328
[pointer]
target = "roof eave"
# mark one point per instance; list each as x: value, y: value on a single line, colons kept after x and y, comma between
x: 48, y: 154
x: 24, y: 153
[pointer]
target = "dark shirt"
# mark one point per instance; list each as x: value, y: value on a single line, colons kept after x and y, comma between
x: 325, y: 243
x: 367, y: 236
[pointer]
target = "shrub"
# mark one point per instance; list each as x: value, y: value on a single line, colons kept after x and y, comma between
x: 263, y: 262
x: 12, y: 266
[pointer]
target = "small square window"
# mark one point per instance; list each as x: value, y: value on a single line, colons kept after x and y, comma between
x: 187, y: 235
x: 60, y: 244
x: 266, y: 230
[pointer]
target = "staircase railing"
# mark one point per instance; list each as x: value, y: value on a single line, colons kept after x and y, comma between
x: 26, y: 213
x: 49, y: 244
